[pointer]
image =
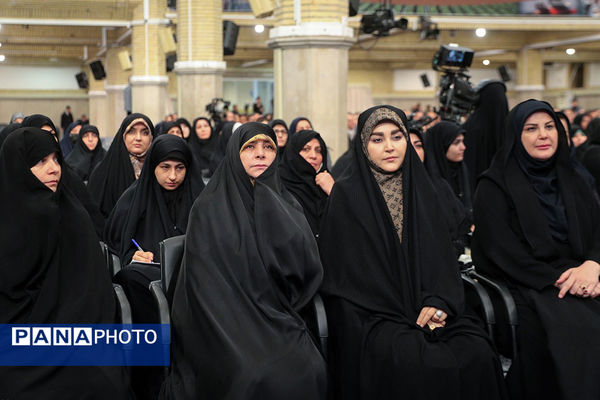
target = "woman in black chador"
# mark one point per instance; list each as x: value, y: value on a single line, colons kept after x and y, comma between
x: 44, y: 280
x: 250, y: 263
x: 304, y: 173
x: 393, y: 292
x: 445, y: 149
x: 123, y: 162
x: 537, y: 226
x: 87, y: 152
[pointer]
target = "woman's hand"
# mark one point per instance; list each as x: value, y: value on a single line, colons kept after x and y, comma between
x: 325, y: 181
x: 582, y: 281
x: 143, y: 256
x: 430, y: 316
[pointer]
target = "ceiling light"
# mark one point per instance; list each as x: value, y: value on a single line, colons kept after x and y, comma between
x: 453, y: 44
x: 486, y: 62
x: 259, y: 28
x: 570, y: 51
x: 480, y: 32
x: 2, y: 57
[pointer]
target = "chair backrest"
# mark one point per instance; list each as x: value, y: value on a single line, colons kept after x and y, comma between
x: 171, y: 255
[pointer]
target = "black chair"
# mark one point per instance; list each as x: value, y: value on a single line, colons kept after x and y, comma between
x: 315, y: 316
x: 124, y: 306
x: 113, y: 263
x: 484, y: 299
x: 502, y: 298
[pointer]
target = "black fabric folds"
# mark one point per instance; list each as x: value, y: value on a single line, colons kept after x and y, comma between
x: 484, y: 129
x: 7, y: 131
x: 376, y: 285
x: 203, y: 149
x: 148, y: 213
x: 115, y: 173
x: 298, y: 176
x: 516, y: 239
x: 42, y: 279
x: 437, y: 140
x: 83, y: 160
x: 250, y: 263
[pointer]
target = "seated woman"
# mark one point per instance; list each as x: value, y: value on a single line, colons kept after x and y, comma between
x: 87, y: 153
x: 444, y: 145
x: 458, y: 220
x: 69, y: 177
x: 123, y: 162
x: 203, y: 142
x: 185, y: 127
x: 299, y: 124
x: 281, y: 131
x: 305, y: 175
x: 394, y: 296
x: 538, y: 229
x: 250, y: 263
x: 172, y: 128
x: 70, y: 137
x: 44, y: 280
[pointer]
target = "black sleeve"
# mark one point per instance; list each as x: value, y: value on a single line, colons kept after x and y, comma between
x: 502, y: 244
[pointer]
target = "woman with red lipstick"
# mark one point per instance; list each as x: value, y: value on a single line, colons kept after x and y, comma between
x: 304, y: 174
x: 394, y: 297
x: 52, y: 268
x: 123, y: 162
x: 538, y: 229
x: 250, y: 264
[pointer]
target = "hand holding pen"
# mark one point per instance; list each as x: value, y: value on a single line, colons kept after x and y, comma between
x: 141, y: 255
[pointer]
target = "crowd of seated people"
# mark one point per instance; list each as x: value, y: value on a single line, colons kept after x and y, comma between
x: 269, y: 223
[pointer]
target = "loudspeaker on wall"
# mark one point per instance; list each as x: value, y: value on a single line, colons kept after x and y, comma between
x: 504, y: 74
x: 230, y: 35
x: 82, y: 80
x: 425, y: 80
x: 98, y: 70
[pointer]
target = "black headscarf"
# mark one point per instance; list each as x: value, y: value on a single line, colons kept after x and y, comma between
x: 281, y: 122
x: 484, y: 129
x: 551, y: 201
x: 37, y: 121
x: 148, y: 213
x: 183, y: 121
x: 66, y: 143
x: 203, y: 149
x: 166, y: 127
x: 42, y: 279
x: 83, y: 160
x: 115, y: 173
x: 221, y: 148
x: 593, y: 131
x: 250, y: 263
x: 8, y: 129
x: 295, y: 122
x: 298, y: 176
x: 403, y: 275
x: 437, y: 140
x: 70, y: 178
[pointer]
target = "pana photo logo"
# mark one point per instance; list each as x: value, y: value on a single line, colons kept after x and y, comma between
x: 70, y: 336
x: 91, y: 344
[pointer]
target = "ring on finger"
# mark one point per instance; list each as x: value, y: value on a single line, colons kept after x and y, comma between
x: 439, y: 313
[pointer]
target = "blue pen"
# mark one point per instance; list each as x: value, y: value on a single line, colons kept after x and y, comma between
x: 137, y: 245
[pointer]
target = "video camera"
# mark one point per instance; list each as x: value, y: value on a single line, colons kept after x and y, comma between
x: 457, y: 96
x: 217, y: 109
x: 381, y: 22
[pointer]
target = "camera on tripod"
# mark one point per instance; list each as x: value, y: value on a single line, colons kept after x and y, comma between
x: 457, y: 95
x: 217, y: 109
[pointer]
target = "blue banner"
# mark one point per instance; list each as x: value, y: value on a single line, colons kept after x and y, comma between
x: 84, y: 344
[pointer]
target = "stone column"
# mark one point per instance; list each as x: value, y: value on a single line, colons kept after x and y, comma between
x: 200, y: 64
x: 116, y: 81
x: 97, y: 101
x: 530, y: 75
x: 310, y: 66
x: 149, y: 80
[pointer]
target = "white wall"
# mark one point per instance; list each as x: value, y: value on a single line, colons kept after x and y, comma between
x: 593, y: 74
x: 557, y: 76
x: 27, y: 77
x: 410, y: 79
